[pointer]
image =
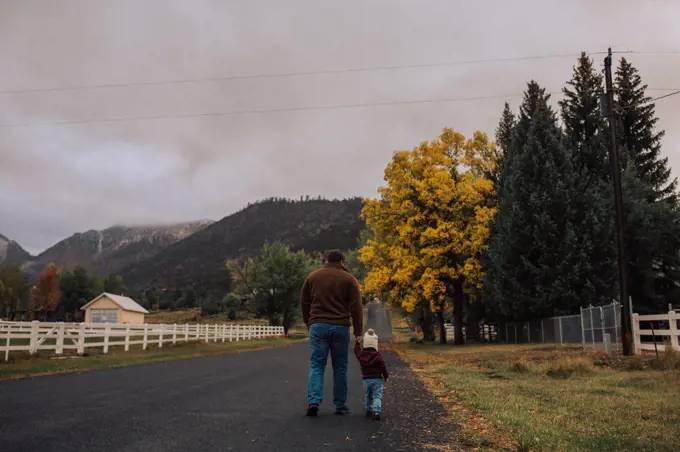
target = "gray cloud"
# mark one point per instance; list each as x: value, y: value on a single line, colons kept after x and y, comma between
x: 59, y: 179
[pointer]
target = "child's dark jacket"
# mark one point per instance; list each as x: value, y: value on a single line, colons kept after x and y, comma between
x: 372, y: 363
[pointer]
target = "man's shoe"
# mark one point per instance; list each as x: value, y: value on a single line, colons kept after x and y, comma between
x: 376, y: 416
x: 342, y: 411
x: 369, y: 413
x: 313, y: 410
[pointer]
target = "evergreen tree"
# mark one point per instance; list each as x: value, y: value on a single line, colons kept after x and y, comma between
x: 652, y: 233
x: 653, y: 244
x: 504, y: 133
x: 538, y: 259
x: 586, y: 140
x: 113, y: 284
x: 76, y: 289
x: 637, y: 135
x: 584, y: 126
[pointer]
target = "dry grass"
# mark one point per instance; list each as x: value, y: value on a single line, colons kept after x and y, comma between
x: 552, y: 398
x: 668, y: 360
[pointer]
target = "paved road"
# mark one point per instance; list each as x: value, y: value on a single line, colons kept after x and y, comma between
x: 242, y: 402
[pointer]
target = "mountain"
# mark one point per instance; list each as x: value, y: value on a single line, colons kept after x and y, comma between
x: 313, y: 226
x: 11, y: 252
x: 112, y: 249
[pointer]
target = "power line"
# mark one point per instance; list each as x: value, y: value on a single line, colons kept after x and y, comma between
x: 286, y: 109
x: 320, y: 72
x: 261, y: 111
x: 653, y: 99
x: 665, y: 96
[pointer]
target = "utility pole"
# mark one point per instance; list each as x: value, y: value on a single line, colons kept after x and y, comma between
x: 607, y: 110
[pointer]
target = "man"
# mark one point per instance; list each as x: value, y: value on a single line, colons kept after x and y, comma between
x: 330, y: 298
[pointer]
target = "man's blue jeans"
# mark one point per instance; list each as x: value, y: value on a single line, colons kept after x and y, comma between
x: 374, y: 390
x: 325, y: 337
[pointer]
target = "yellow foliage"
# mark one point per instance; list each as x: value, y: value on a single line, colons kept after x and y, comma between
x: 432, y: 220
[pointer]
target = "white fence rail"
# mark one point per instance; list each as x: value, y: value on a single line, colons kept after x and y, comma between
x: 670, y: 331
x: 35, y: 336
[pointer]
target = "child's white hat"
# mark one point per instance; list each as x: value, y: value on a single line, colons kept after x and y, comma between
x: 370, y: 339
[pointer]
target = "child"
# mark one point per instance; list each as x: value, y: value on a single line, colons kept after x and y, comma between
x: 373, y: 369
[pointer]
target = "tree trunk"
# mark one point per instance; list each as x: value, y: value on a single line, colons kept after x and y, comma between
x: 458, y: 300
x: 442, y: 327
x: 472, y: 318
x: 426, y: 323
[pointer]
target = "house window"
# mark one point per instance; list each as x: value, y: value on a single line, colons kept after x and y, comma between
x: 104, y: 316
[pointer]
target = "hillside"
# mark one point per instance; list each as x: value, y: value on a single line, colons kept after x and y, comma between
x: 315, y: 225
x: 114, y: 248
x: 11, y: 252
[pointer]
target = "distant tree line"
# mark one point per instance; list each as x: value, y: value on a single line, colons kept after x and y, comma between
x: 56, y: 295
x: 303, y: 199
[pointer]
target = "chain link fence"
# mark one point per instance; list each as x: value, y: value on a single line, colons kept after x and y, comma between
x: 587, y: 328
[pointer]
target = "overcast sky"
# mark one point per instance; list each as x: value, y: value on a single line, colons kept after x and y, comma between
x: 57, y: 179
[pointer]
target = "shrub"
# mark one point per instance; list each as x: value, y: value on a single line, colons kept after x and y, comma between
x: 520, y: 367
x: 669, y: 360
x: 636, y: 363
x: 565, y: 368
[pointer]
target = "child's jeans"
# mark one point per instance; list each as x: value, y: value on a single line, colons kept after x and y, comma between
x: 374, y: 389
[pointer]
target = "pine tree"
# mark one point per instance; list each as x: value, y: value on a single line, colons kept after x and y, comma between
x: 586, y: 140
x: 584, y: 126
x: 637, y: 135
x: 537, y: 257
x: 652, y: 232
x: 504, y: 133
x: 652, y: 243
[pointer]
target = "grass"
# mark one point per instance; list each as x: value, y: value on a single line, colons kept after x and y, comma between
x: 553, y: 398
x: 21, y: 366
x: 191, y: 316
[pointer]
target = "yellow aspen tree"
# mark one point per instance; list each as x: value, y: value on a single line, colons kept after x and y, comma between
x: 430, y: 224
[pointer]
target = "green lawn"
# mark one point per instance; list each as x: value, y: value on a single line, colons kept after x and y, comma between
x: 21, y: 365
x: 551, y: 398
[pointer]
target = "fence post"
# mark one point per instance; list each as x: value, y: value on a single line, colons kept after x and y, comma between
x: 238, y: 331
x: 127, y: 339
x: 592, y: 326
x: 607, y: 339
x: 146, y: 336
x: 542, y: 332
x: 81, y: 339
x: 160, y: 337
x: 616, y: 324
x: 583, y: 330
x: 224, y: 333
x: 231, y: 332
x: 603, y: 324
x: 174, y: 333
x: 528, y: 332
x: 673, y: 326
x: 9, y: 334
x: 186, y: 332
x: 636, y: 335
x: 33, y: 348
x: 106, y: 338
x: 60, y: 339
x: 561, y: 336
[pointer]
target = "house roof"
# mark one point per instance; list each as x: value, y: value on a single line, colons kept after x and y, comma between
x: 125, y: 303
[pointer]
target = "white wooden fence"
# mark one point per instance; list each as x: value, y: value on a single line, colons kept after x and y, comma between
x: 672, y: 333
x: 35, y: 336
